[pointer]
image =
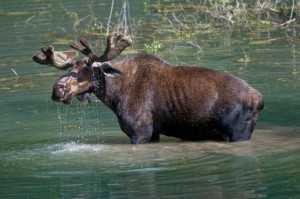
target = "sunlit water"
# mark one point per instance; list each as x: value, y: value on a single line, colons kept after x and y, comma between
x: 49, y: 150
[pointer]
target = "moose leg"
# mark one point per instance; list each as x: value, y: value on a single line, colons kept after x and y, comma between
x: 139, y: 130
x: 239, y: 123
x: 142, y: 135
x: 155, y: 137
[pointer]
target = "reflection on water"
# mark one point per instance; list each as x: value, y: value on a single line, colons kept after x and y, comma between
x: 49, y: 150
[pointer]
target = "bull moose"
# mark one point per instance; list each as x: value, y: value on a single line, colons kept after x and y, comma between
x: 151, y: 97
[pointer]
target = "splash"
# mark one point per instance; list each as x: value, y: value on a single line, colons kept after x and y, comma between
x: 79, y: 121
x: 75, y: 147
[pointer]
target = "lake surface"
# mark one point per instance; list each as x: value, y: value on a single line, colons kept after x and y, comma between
x: 50, y: 150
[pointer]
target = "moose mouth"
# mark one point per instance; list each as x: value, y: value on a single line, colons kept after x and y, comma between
x: 67, y: 99
x: 84, y: 97
x: 61, y: 95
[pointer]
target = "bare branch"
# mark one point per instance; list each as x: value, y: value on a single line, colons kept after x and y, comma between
x: 288, y: 22
x: 179, y: 22
x: 108, y: 23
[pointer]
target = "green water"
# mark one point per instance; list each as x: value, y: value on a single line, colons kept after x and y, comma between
x: 50, y: 150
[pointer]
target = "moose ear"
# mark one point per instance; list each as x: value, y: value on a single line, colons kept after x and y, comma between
x: 110, y: 71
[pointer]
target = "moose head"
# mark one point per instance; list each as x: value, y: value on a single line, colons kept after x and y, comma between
x: 80, y: 81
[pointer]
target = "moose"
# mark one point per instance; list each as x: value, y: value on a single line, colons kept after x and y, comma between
x: 151, y: 97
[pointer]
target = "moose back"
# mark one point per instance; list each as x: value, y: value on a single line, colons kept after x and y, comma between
x: 151, y: 97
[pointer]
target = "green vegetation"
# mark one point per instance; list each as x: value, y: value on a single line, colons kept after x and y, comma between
x: 230, y: 12
x: 153, y: 47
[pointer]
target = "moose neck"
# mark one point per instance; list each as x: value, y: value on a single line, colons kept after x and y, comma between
x: 103, y: 88
x: 99, y: 84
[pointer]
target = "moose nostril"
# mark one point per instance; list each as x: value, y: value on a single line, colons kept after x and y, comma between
x: 61, y: 92
x: 58, y: 93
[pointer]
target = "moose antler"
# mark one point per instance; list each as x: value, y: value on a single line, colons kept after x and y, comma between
x: 113, y: 49
x: 65, y: 59
x: 85, y: 49
x: 59, y: 59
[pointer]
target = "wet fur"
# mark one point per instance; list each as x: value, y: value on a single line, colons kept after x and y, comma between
x: 153, y: 97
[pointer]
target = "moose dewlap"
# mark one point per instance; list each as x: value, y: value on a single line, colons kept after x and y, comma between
x: 151, y: 97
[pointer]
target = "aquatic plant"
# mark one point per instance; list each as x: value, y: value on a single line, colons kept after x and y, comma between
x: 228, y: 13
x: 153, y: 47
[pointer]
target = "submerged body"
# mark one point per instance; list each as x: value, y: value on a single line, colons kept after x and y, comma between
x: 153, y: 97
